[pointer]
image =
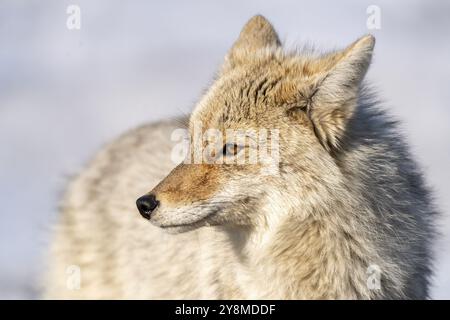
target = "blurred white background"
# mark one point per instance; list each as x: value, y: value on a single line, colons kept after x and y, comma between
x: 64, y: 93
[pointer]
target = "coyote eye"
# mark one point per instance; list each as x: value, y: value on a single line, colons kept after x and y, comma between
x: 231, y: 149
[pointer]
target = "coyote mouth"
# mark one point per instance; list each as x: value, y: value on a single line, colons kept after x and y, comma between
x: 192, y: 225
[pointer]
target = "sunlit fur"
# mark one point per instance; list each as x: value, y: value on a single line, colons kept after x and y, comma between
x: 347, y: 194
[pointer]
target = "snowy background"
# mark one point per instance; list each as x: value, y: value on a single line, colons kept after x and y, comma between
x: 64, y: 93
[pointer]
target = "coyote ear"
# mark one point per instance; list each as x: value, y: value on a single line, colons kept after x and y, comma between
x: 335, y: 93
x: 257, y: 33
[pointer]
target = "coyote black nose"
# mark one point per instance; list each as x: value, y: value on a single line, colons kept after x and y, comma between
x: 146, y: 204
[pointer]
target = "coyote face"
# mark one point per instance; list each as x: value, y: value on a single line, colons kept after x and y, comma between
x: 292, y: 106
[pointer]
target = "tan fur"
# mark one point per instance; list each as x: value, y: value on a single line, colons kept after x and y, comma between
x: 303, y: 233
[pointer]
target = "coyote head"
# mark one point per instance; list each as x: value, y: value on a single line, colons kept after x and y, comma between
x: 299, y: 102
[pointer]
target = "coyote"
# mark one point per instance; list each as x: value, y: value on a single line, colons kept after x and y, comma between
x: 345, y: 215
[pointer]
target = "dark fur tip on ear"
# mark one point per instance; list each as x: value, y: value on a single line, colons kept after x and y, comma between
x: 258, y: 32
x: 367, y: 40
x: 259, y: 29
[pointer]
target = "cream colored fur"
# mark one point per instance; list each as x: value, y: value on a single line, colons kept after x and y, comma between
x: 342, y: 202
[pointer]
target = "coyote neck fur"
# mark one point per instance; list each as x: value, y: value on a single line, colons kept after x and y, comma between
x: 328, y: 258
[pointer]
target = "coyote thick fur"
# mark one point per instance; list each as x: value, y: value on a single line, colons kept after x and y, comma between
x: 345, y: 216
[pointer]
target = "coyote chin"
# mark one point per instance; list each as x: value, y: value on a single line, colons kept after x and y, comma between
x: 345, y: 216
